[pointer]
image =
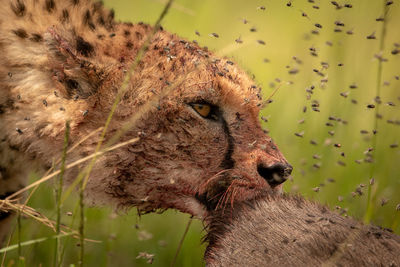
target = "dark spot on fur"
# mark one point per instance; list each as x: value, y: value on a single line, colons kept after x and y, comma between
x: 83, y: 47
x: 87, y: 20
x: 97, y: 6
x: 101, y: 21
x: 378, y: 234
x: 111, y: 15
x: 13, y: 147
x: 9, y: 104
x: 112, y: 35
x: 127, y: 33
x: 75, y: 2
x: 129, y: 45
x: 100, y: 36
x: 35, y: 37
x: 50, y: 5
x: 21, y: 33
x: 64, y: 16
x: 71, y: 86
x: 45, y: 102
x: 4, y: 175
x: 138, y: 35
x: 182, y: 60
x: 18, y: 8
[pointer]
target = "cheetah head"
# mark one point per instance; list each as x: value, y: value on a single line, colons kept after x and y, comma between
x: 201, y: 144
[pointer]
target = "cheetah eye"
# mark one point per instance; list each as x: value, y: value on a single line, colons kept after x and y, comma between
x: 205, y: 110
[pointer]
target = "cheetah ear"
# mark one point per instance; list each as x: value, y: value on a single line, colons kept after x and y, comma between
x: 72, y: 63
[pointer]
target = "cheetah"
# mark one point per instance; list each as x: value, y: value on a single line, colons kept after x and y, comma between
x: 199, y: 143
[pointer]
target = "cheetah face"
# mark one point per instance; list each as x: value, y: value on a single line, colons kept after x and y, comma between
x: 201, y: 147
x: 224, y: 154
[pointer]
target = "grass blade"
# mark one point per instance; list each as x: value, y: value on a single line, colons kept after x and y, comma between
x: 57, y: 259
x: 32, y: 242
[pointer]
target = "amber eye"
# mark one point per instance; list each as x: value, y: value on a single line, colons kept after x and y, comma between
x: 205, y: 110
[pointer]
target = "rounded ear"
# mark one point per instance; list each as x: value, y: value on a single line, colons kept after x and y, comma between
x: 72, y: 61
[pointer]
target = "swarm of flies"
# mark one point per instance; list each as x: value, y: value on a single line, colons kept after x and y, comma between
x: 341, y: 120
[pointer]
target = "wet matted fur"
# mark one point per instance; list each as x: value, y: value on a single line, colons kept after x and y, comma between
x: 287, y: 230
x: 66, y: 60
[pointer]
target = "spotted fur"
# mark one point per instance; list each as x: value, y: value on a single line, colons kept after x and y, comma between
x: 65, y: 60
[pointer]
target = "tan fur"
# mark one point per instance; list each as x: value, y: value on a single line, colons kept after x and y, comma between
x: 291, y: 231
x: 66, y: 60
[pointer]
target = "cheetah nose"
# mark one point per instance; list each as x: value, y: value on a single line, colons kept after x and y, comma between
x: 275, y: 174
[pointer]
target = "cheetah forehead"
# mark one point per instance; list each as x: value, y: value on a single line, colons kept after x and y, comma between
x: 86, y: 33
x: 194, y: 72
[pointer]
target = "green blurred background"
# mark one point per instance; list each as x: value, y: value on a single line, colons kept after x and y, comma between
x: 320, y: 171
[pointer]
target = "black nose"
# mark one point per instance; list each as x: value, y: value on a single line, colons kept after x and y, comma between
x: 275, y: 174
